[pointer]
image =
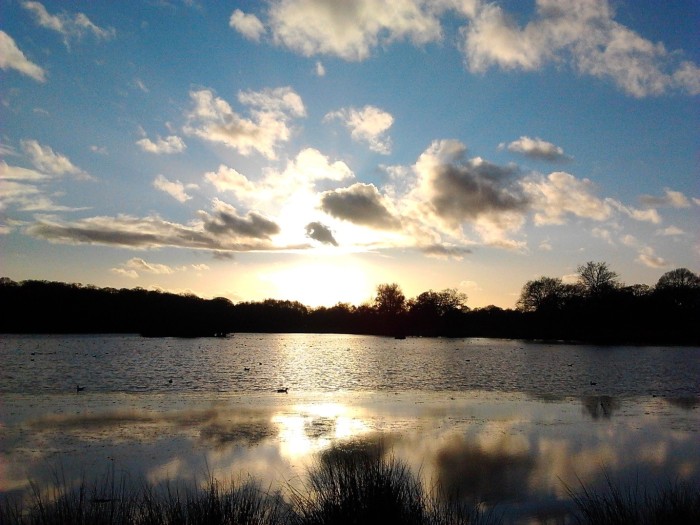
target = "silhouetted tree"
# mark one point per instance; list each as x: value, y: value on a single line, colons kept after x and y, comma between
x: 679, y: 288
x: 390, y: 300
x: 435, y: 313
x: 547, y: 309
x: 545, y: 293
x: 680, y: 278
x: 390, y: 307
x: 596, y: 278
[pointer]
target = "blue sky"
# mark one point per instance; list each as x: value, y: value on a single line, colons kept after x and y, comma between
x: 313, y: 149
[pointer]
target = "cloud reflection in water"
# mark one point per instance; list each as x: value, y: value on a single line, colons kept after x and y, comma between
x: 512, y: 449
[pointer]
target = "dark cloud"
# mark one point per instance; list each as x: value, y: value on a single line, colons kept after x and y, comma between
x: 465, y: 469
x: 321, y: 233
x: 462, y: 191
x: 360, y: 204
x: 252, y: 225
x: 153, y: 232
x: 441, y: 250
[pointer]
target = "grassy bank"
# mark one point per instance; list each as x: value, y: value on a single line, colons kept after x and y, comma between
x: 346, y: 486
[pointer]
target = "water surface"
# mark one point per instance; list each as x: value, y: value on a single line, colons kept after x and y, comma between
x: 508, y: 422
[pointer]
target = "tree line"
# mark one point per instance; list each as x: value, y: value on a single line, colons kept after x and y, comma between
x: 597, y: 307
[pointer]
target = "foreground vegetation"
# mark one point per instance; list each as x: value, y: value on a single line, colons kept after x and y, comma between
x: 597, y: 307
x: 346, y: 487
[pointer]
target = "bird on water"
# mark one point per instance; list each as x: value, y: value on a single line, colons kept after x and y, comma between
x: 79, y: 388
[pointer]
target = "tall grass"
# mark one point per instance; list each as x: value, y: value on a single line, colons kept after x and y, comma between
x: 347, y: 485
x: 107, y: 502
x: 361, y: 484
x: 671, y: 504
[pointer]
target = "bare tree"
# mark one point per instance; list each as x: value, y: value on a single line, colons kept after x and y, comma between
x: 597, y: 278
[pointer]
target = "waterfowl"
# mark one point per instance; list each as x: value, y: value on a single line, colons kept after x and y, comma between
x: 79, y: 388
x: 282, y: 390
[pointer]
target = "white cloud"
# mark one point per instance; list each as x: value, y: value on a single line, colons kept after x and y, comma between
x: 368, y: 125
x: 492, y: 38
x: 320, y: 69
x: 46, y: 160
x: 175, y: 189
x: 470, y: 285
x: 139, y: 264
x: 17, y: 173
x: 69, y: 26
x: 649, y: 215
x: 671, y: 198
x: 141, y: 85
x: 247, y: 25
x: 131, y: 274
x: 687, y: 76
x: 582, y: 33
x: 630, y: 240
x: 213, y: 119
x: 228, y: 179
x: 11, y: 57
x: 671, y: 231
x: 169, y: 144
x: 25, y: 190
x: 350, y: 30
x: 135, y: 266
x: 648, y: 257
x: 537, y: 149
x: 561, y: 193
x: 278, y: 188
x: 7, y: 150
x: 602, y: 233
x: 29, y: 197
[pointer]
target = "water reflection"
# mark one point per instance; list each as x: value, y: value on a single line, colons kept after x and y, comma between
x: 494, y: 474
x: 512, y: 450
x: 600, y: 406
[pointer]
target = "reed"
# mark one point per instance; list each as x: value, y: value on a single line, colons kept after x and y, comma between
x: 349, y: 484
x: 616, y: 504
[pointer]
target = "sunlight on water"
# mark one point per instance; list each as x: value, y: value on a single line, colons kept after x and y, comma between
x: 510, y: 422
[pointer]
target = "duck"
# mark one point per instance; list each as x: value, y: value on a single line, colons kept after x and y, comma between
x: 282, y: 390
x: 79, y: 388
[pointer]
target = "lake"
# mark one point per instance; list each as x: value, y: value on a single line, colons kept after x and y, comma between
x: 510, y: 422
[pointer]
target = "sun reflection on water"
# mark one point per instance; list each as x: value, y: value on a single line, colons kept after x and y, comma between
x: 310, y: 428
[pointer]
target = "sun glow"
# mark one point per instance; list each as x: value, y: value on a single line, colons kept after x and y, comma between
x: 322, y: 282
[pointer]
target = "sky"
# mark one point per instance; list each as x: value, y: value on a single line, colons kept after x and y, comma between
x: 311, y: 150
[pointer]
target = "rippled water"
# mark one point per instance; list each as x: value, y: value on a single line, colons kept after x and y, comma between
x: 323, y: 363
x: 511, y: 422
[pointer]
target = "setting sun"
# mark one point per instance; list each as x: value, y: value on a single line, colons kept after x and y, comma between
x: 324, y: 282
